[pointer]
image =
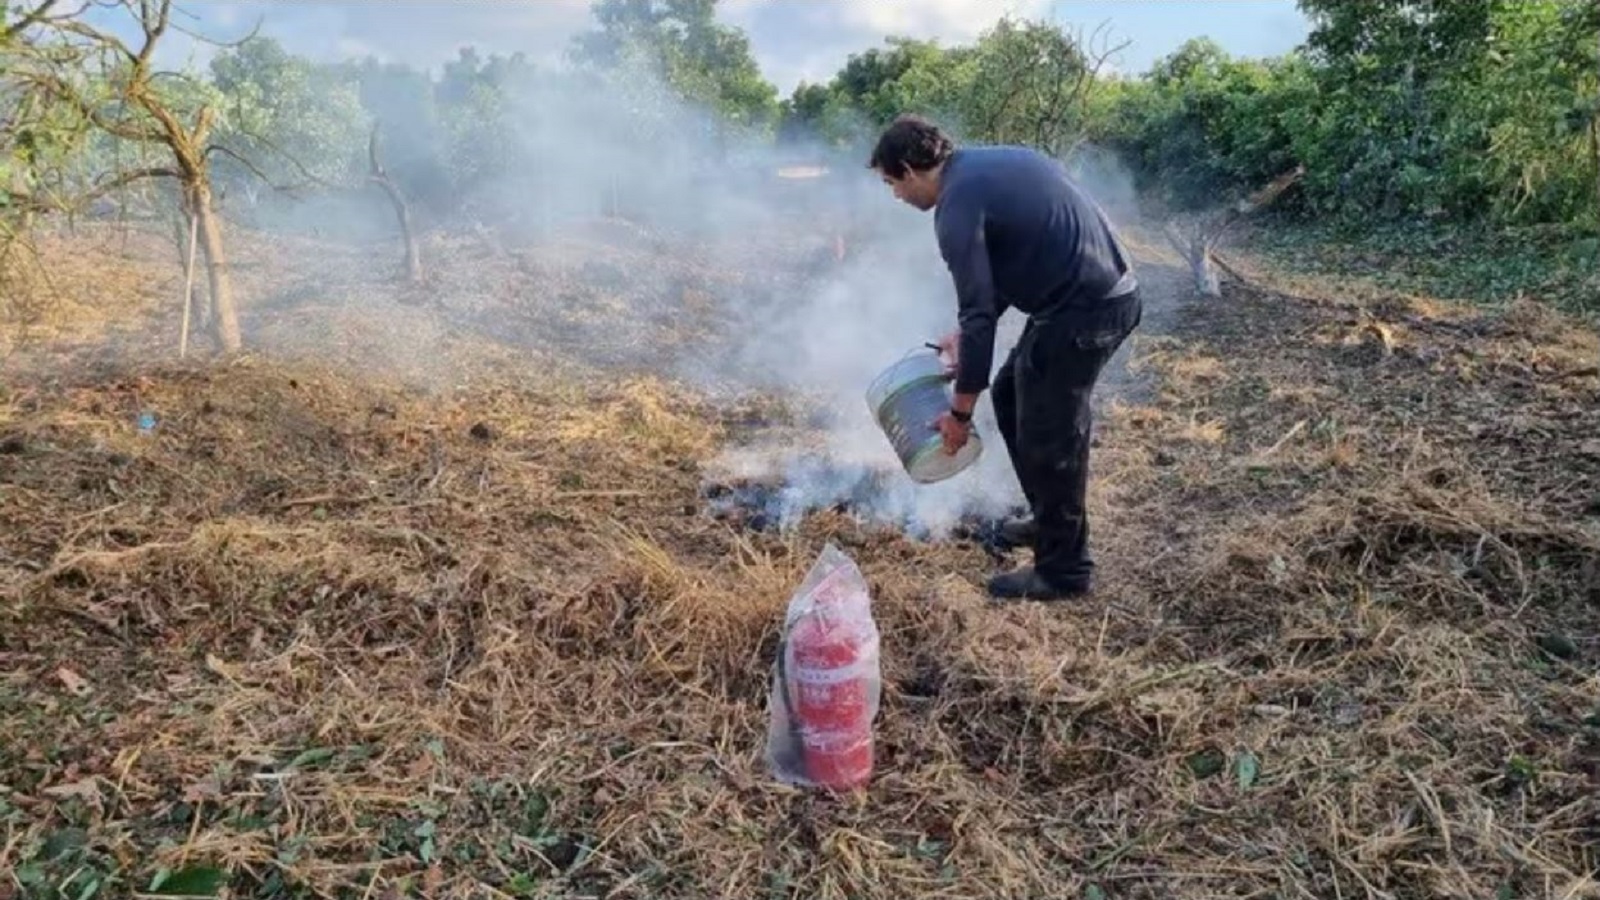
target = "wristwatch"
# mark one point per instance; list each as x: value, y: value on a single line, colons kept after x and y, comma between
x: 964, y: 418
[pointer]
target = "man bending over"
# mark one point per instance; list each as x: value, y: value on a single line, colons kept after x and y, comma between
x: 1015, y: 231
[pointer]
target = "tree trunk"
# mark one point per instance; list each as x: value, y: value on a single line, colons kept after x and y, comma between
x: 402, y: 211
x: 1205, y: 273
x: 224, y: 315
x: 1205, y: 232
x: 413, y: 252
x: 1196, y: 251
x: 1594, y: 152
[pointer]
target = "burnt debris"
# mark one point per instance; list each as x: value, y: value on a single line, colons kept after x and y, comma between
x: 778, y: 503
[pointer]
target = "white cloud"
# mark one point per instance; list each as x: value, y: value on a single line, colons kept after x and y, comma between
x: 225, y: 14
x: 793, y: 40
x: 350, y: 47
x: 950, y: 20
x: 810, y: 39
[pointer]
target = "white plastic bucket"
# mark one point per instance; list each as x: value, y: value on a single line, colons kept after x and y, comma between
x: 905, y: 400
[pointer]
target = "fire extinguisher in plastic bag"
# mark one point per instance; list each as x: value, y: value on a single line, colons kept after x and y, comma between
x: 826, y: 683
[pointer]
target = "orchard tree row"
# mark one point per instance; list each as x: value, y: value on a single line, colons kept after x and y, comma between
x: 1461, y: 109
x: 1451, y: 111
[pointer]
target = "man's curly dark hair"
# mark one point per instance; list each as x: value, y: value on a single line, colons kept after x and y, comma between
x: 910, y: 142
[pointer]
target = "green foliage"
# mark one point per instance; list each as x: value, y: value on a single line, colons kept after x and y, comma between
x: 680, y: 42
x: 480, y: 137
x: 1031, y: 85
x: 291, y: 118
x: 1202, y: 122
x: 1023, y: 81
x: 41, y: 159
x: 1541, y: 102
x: 909, y: 76
x: 1388, y: 138
x: 904, y: 76
x: 77, y: 124
x: 1400, y: 111
x: 1481, y: 263
x: 1461, y: 111
x: 1483, y: 113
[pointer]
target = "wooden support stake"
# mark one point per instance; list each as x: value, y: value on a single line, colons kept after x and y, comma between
x: 188, y: 285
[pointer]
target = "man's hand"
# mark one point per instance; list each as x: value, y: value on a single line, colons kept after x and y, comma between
x: 953, y: 431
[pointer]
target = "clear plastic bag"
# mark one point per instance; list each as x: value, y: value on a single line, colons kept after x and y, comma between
x: 826, y: 680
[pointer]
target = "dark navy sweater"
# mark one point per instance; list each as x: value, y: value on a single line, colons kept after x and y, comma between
x: 1015, y: 231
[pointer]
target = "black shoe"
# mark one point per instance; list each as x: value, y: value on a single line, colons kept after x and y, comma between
x: 1026, y: 584
x: 1019, y: 532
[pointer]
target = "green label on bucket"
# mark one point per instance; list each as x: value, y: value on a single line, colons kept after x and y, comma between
x: 908, y: 418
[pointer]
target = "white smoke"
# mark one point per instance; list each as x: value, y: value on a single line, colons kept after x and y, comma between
x: 831, y: 341
x: 580, y: 149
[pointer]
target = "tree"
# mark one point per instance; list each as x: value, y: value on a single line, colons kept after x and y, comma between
x: 1388, y: 137
x: 41, y: 139
x: 905, y: 76
x: 1201, y: 123
x: 417, y: 156
x: 1026, y: 82
x: 112, y: 87
x: 1540, y: 106
x: 876, y: 85
x: 1464, y: 110
x: 705, y: 61
x: 480, y: 105
x: 296, y: 124
x: 1033, y: 84
x: 800, y: 117
x: 402, y: 211
x: 1198, y: 245
x: 292, y: 120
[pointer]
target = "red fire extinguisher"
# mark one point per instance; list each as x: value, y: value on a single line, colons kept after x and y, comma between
x: 830, y: 683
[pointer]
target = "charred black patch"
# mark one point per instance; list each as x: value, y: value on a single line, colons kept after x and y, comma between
x: 869, y: 495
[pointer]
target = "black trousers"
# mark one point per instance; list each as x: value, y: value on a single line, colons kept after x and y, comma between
x: 1041, y: 398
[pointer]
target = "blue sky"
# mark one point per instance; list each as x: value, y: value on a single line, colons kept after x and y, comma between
x: 793, y: 39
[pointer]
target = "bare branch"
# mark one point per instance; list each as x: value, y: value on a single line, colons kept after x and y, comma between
x: 402, y: 211
x: 28, y: 20
x: 204, y: 120
x: 293, y: 160
x: 1256, y: 201
x: 265, y: 178
x: 58, y: 87
x: 243, y: 161
x: 179, y: 76
x: 182, y: 143
x: 372, y: 152
x: 35, y: 203
x: 1173, y: 238
x: 251, y: 35
x: 1206, y: 231
x: 106, y: 41
x: 152, y: 30
x: 1273, y: 190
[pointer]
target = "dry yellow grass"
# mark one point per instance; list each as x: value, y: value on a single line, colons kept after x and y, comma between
x: 82, y: 288
x: 328, y: 636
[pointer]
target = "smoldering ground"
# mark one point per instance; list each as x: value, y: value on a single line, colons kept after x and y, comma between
x: 831, y: 336
x: 818, y: 277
